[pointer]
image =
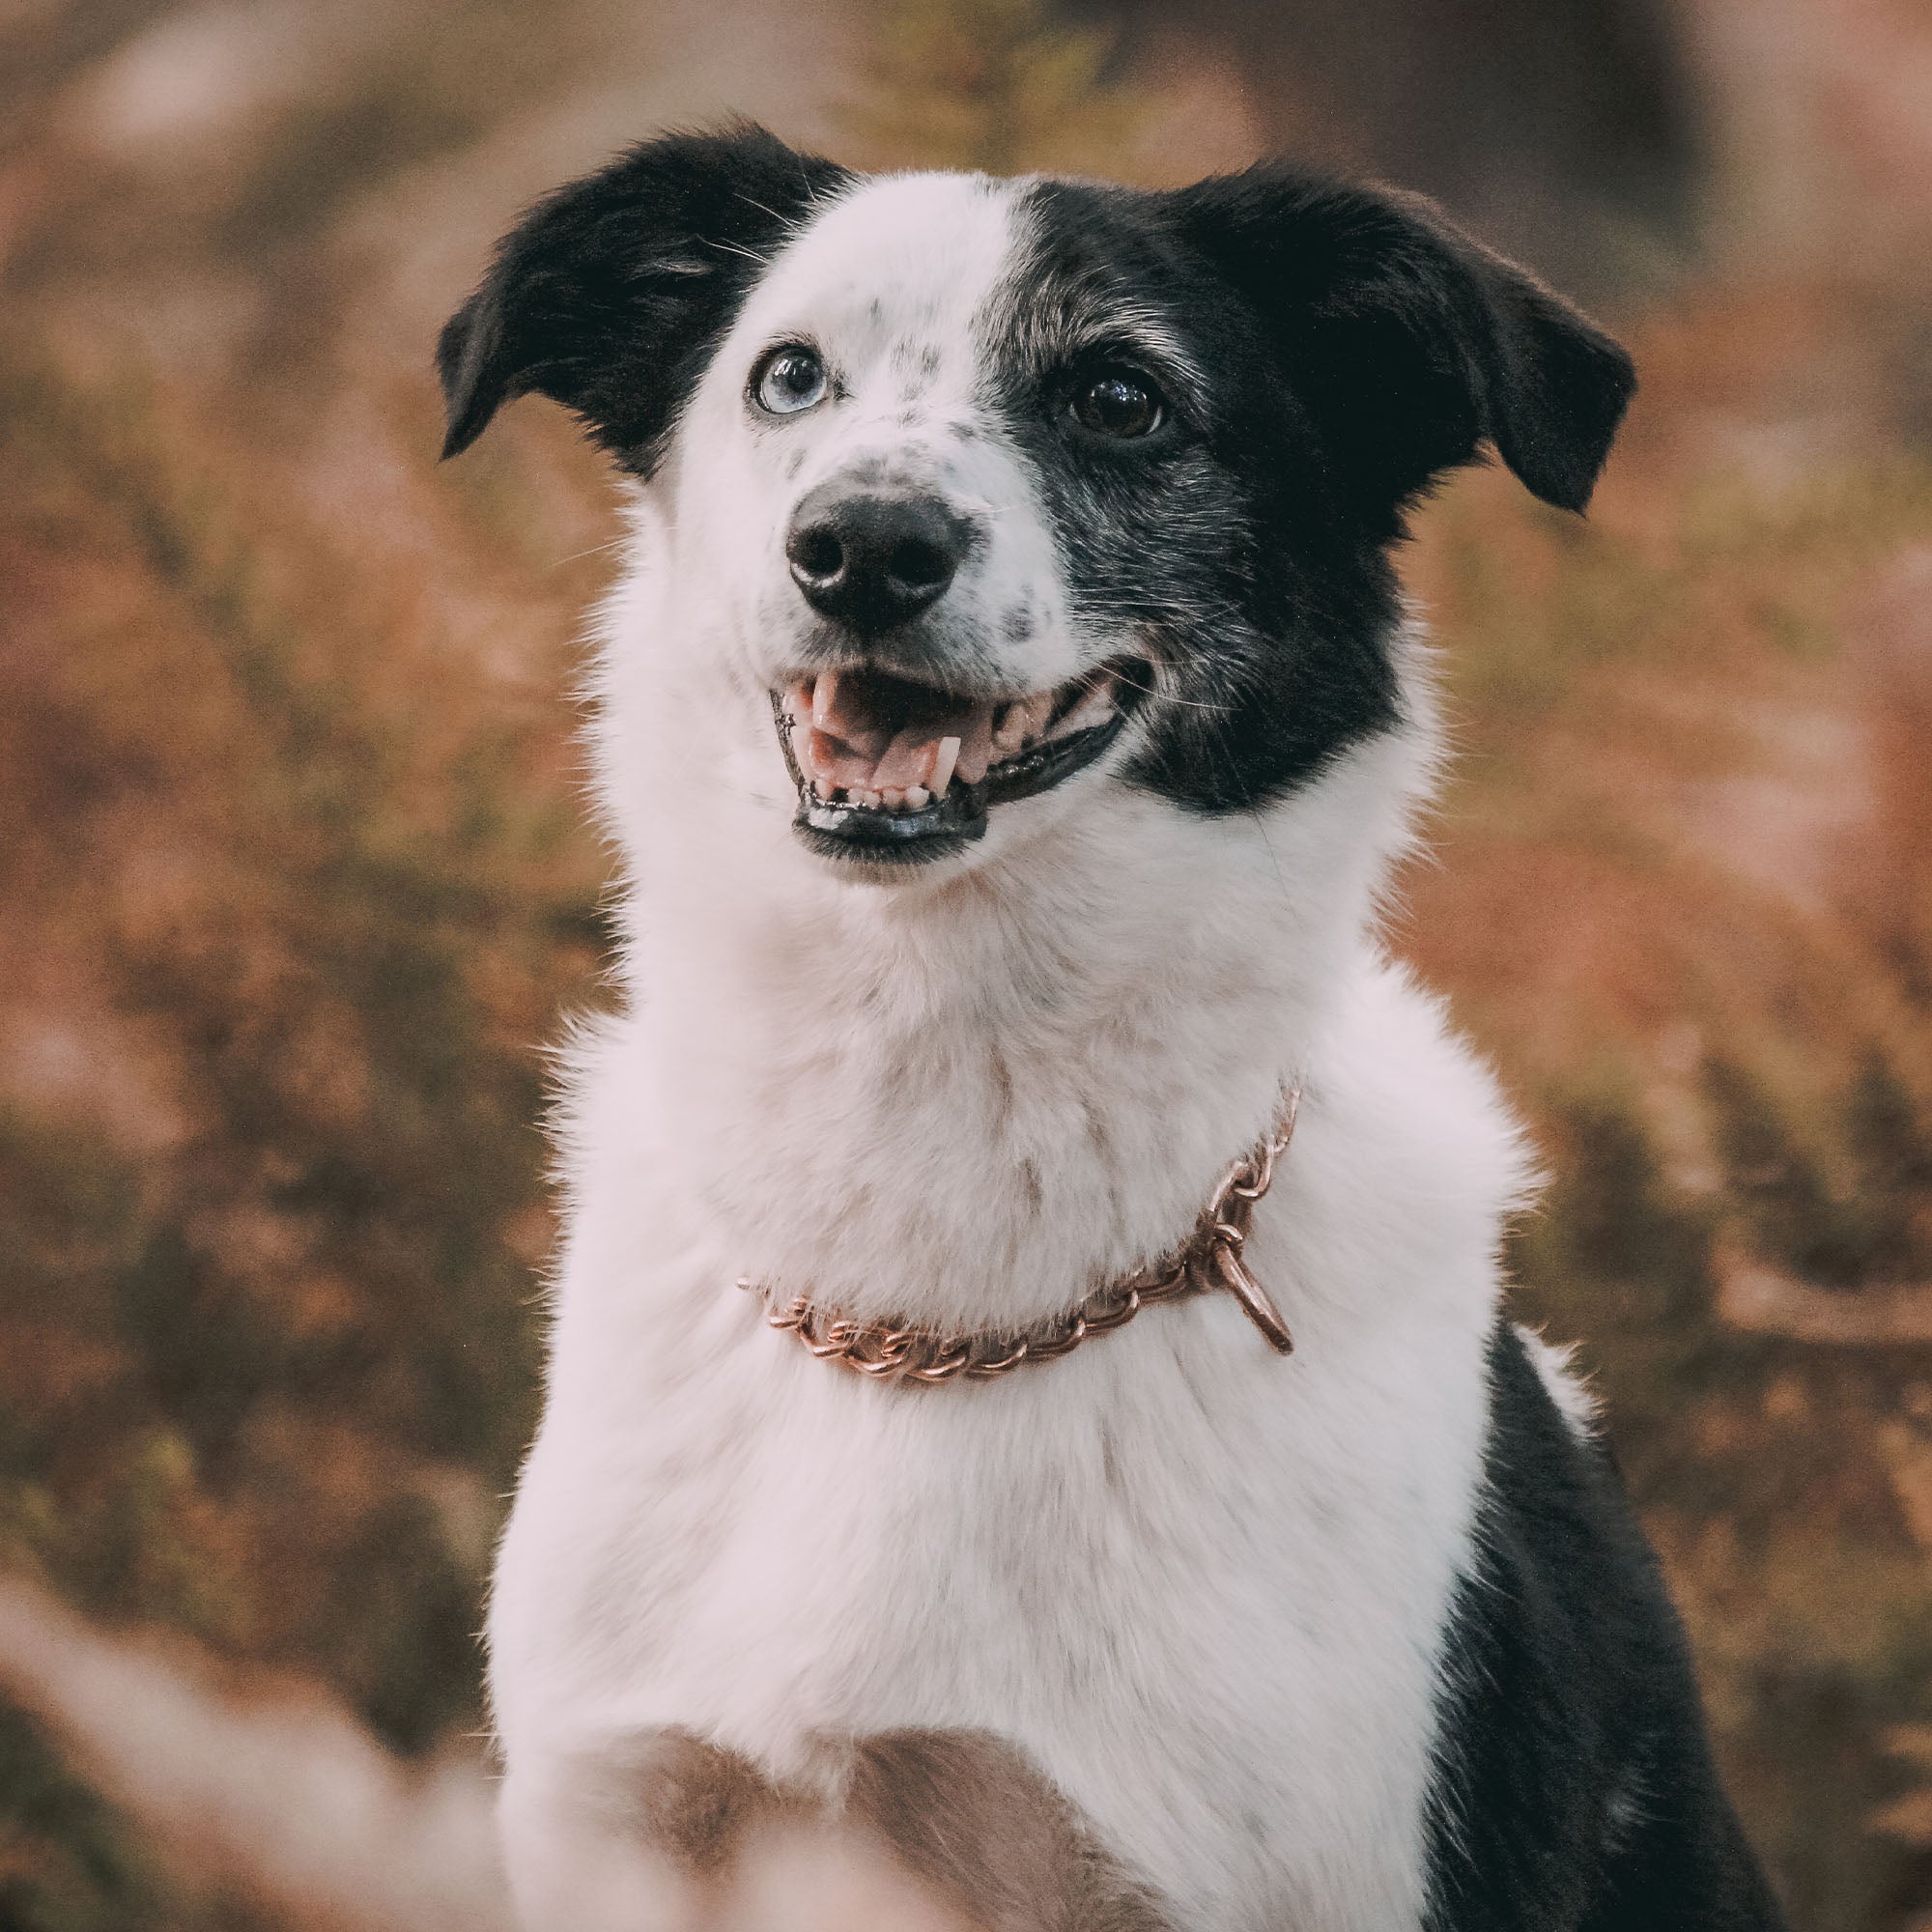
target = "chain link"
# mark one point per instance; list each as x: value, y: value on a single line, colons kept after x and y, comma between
x: 1212, y: 1258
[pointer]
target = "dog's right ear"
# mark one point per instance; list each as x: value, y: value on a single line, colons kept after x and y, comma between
x: 609, y: 293
x: 1409, y: 344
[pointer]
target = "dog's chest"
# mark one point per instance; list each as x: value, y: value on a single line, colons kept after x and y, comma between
x: 1202, y: 1589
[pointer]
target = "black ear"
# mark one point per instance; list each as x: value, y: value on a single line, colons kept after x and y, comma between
x: 608, y: 294
x: 1408, y: 344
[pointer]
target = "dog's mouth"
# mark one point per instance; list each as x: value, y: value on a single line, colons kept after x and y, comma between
x: 890, y: 770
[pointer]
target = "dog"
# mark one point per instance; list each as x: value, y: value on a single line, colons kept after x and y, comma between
x: 1032, y: 1438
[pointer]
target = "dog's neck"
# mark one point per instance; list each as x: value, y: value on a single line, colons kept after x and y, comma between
x: 968, y: 1102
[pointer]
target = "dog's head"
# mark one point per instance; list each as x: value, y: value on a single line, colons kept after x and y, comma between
x: 974, y: 491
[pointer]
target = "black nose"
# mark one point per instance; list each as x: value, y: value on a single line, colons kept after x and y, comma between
x: 874, y: 559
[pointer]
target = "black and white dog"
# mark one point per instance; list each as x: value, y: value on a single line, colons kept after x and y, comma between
x: 1007, y: 716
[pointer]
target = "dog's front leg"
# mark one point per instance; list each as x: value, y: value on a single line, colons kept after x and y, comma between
x: 671, y: 1834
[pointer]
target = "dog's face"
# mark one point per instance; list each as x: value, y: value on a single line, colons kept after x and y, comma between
x: 1000, y: 488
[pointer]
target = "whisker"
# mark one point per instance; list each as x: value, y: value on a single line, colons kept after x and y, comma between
x: 595, y: 549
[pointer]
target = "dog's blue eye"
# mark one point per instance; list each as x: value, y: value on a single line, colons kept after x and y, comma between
x: 1118, y: 402
x: 790, y: 379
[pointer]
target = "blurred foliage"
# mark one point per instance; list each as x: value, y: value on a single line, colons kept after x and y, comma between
x: 295, y: 889
x: 1844, y: 1201
x: 1004, y: 86
x: 1750, y: 1457
x: 65, y: 1865
x: 263, y: 1376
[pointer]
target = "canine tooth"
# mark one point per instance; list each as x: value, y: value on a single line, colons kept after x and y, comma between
x: 918, y: 797
x: 824, y: 694
x: 824, y: 788
x: 976, y: 752
x: 942, y: 770
x: 1024, y: 722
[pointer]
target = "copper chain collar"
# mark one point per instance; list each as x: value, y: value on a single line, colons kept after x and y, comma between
x: 1209, y: 1259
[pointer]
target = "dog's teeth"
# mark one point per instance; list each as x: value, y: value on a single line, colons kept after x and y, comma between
x: 824, y: 752
x: 1095, y: 707
x: 824, y: 695
x: 1023, y: 723
x: 824, y: 788
x: 942, y: 770
x: 865, y: 796
x: 892, y: 796
x: 918, y: 798
x: 976, y: 754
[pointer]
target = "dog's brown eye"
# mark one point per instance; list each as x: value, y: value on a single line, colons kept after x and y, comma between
x: 1118, y: 402
x: 790, y: 379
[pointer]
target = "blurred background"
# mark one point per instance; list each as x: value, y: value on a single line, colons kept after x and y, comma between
x: 294, y: 887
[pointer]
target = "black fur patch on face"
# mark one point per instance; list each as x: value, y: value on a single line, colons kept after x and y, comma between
x: 611, y: 294
x: 1323, y: 352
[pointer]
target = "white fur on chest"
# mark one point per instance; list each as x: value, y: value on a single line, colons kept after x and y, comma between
x: 1202, y: 1587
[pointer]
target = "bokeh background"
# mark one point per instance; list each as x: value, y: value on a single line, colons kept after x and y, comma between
x: 294, y: 888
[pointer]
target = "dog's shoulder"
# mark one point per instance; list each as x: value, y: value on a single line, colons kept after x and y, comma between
x: 1574, y: 1780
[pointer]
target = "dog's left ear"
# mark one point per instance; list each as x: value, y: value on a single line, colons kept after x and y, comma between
x: 1408, y: 344
x: 610, y: 294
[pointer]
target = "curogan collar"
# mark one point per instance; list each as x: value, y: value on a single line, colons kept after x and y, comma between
x: 1209, y: 1260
